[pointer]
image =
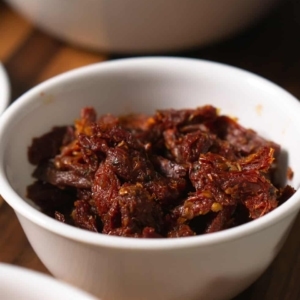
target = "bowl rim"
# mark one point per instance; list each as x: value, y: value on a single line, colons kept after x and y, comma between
x: 5, y: 89
x: 22, y: 208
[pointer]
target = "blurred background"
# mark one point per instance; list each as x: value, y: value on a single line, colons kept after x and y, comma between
x: 269, y: 47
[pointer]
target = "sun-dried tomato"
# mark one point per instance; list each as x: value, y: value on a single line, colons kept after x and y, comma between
x: 174, y: 174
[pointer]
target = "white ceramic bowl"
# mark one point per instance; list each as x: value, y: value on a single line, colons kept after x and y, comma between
x: 134, y: 26
x: 213, y: 266
x: 4, y: 89
x: 22, y: 284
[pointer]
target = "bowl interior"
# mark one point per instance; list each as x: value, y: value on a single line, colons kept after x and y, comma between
x: 143, y: 85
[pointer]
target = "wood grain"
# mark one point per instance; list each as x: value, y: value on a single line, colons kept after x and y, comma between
x: 66, y: 59
x: 270, y: 49
x: 13, y: 32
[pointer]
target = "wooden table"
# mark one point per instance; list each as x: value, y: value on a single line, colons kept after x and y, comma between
x: 270, y: 49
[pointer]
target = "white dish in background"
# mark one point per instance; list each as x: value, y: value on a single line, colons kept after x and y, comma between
x: 4, y: 89
x: 23, y: 284
x: 4, y: 96
x: 135, y: 26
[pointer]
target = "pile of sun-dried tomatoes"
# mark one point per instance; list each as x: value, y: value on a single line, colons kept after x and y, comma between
x: 176, y: 173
